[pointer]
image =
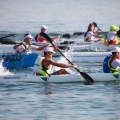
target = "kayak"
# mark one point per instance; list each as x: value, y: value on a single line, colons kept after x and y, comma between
x: 26, y: 60
x: 68, y: 78
x: 8, y: 48
x: 81, y: 46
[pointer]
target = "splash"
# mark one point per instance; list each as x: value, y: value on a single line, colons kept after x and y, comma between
x: 63, y: 60
x: 4, y: 71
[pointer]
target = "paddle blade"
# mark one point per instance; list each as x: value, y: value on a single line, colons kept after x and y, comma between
x: 87, y: 77
x: 118, y: 33
x: 8, y: 36
x: 46, y: 37
x: 95, y: 24
x: 67, y: 35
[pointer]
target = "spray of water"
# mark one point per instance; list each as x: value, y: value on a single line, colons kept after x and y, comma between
x: 63, y: 60
x: 68, y: 55
x: 4, y: 71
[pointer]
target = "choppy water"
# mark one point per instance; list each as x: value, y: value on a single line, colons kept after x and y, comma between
x: 79, y: 101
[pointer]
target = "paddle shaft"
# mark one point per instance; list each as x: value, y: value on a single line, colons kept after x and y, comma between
x: 7, y: 36
x: 63, y: 55
x: 83, y: 74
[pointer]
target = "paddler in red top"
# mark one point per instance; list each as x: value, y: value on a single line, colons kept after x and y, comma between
x: 39, y: 38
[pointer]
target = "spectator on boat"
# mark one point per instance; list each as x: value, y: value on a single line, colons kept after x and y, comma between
x: 111, y: 38
x: 39, y: 38
x: 25, y: 45
x: 111, y: 63
x: 91, y: 33
x: 45, y: 64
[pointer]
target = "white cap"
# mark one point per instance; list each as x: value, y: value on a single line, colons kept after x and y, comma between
x: 116, y: 49
x: 43, y: 27
x: 49, y: 49
x: 28, y: 36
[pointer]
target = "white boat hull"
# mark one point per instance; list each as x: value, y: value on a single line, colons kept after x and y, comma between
x: 97, y: 77
x: 79, y: 47
x: 89, y: 56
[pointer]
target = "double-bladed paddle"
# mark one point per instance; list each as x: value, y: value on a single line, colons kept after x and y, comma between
x: 83, y: 74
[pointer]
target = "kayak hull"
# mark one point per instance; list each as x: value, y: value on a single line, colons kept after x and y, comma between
x: 97, y: 77
x: 82, y: 46
x: 26, y: 60
x: 12, y: 61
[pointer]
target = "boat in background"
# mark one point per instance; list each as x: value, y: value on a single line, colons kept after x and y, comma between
x: 64, y: 45
x: 26, y: 60
x: 15, y: 61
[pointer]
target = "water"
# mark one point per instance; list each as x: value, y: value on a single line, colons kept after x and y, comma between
x: 60, y: 101
x: 79, y: 101
x: 59, y: 16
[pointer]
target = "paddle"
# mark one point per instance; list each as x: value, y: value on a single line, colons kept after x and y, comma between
x: 97, y: 26
x: 83, y: 74
x: 118, y: 33
x: 4, y: 40
x: 7, y: 36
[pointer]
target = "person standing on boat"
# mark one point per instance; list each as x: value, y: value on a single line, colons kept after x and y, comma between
x: 39, y: 38
x: 111, y: 63
x: 111, y: 38
x: 90, y: 34
x: 25, y: 45
x: 46, y: 63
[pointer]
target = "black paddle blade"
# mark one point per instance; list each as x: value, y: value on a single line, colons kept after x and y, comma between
x: 67, y: 35
x: 95, y: 24
x: 46, y: 37
x: 64, y: 47
x: 7, y: 36
x: 118, y: 33
x: 7, y: 41
x: 87, y: 77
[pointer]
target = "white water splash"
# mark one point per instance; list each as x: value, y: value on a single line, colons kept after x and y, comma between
x: 4, y: 71
x: 63, y: 60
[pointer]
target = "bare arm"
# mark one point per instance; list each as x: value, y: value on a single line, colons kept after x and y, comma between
x: 60, y: 64
x: 42, y: 48
x: 16, y: 46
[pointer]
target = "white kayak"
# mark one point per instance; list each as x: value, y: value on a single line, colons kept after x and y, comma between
x: 69, y: 78
x: 89, y: 56
x: 82, y: 46
x: 8, y: 48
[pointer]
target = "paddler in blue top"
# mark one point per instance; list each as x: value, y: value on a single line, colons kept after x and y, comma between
x: 112, y: 64
x: 47, y: 63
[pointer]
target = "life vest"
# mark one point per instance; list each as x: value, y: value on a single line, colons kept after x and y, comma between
x: 112, y: 70
x: 39, y: 69
x: 25, y: 49
x: 110, y: 42
x: 41, y: 39
x: 107, y: 68
x: 28, y: 48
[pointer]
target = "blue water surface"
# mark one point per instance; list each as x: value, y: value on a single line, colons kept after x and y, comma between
x: 78, y: 101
